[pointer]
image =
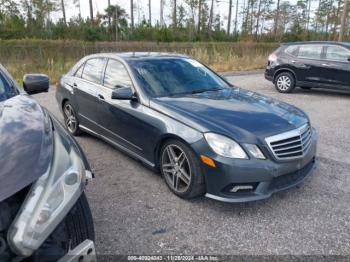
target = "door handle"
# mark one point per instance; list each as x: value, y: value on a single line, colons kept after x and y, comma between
x: 100, y: 97
x: 75, y: 85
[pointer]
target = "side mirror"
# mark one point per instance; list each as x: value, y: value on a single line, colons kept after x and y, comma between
x: 36, y: 83
x: 123, y: 93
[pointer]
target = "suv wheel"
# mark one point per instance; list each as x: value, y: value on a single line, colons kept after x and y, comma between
x: 285, y: 82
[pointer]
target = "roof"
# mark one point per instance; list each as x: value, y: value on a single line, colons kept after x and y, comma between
x: 141, y: 55
x: 346, y: 44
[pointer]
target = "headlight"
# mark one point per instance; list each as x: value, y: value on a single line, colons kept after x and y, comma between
x: 225, y: 146
x: 255, y: 151
x: 49, y: 200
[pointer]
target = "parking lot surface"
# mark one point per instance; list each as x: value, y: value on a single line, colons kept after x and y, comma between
x: 135, y: 213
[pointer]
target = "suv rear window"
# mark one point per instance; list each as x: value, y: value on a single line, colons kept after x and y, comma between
x: 310, y: 51
x: 292, y: 50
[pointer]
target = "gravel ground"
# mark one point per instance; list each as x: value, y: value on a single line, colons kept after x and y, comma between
x: 135, y: 213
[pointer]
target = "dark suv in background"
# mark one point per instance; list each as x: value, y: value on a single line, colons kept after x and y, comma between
x: 308, y: 65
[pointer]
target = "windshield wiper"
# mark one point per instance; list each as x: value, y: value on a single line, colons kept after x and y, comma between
x: 205, y: 90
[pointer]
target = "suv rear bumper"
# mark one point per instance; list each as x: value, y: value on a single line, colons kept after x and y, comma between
x: 269, y: 74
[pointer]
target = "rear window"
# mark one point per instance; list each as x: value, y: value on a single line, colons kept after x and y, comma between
x: 93, y: 70
x: 292, y: 50
x: 310, y: 51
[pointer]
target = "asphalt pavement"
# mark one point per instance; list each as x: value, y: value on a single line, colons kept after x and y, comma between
x: 135, y: 213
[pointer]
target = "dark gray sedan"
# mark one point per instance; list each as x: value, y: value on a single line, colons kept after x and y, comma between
x: 177, y: 116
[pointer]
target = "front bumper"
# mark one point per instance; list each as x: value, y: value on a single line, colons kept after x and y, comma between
x: 83, y: 252
x: 265, y: 177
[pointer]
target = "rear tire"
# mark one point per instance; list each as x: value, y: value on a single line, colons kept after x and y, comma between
x: 76, y: 227
x: 181, y: 170
x: 285, y: 82
x: 71, y: 121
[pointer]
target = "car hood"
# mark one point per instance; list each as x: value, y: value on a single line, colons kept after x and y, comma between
x: 26, y: 145
x: 243, y: 115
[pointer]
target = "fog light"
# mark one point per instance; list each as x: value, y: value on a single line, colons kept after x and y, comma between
x: 237, y: 188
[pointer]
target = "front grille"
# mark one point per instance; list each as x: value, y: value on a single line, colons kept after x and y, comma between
x: 292, y: 144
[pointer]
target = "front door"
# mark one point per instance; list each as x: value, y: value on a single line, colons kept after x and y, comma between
x: 123, y: 121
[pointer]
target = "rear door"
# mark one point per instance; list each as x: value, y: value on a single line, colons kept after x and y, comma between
x: 86, y: 89
x: 337, y: 66
x: 308, y: 64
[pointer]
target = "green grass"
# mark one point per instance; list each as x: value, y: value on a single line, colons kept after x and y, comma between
x: 56, y: 57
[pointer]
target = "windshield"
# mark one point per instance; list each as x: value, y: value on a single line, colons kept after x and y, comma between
x: 175, y: 76
x: 6, y: 90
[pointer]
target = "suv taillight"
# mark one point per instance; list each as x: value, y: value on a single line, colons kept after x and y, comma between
x: 272, y: 58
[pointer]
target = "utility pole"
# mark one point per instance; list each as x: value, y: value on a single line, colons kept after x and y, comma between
x: 229, y: 17
x: 343, y: 20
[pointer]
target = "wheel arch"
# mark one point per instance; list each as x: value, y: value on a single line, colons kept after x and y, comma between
x: 284, y: 70
x: 64, y: 101
x: 162, y: 140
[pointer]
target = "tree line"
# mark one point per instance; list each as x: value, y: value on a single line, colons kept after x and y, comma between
x: 186, y: 20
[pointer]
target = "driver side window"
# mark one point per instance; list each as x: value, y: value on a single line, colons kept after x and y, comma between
x: 116, y: 75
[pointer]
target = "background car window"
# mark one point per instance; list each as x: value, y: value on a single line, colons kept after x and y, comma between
x: 5, y: 89
x: 79, y: 72
x: 116, y: 75
x: 310, y: 51
x: 93, y: 70
x: 336, y: 53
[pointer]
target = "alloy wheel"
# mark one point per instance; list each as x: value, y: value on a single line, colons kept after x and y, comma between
x: 70, y: 119
x: 176, y: 168
x: 284, y: 83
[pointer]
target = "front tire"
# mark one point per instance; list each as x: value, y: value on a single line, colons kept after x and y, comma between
x: 75, y: 228
x: 181, y: 170
x: 70, y: 119
x: 285, y: 82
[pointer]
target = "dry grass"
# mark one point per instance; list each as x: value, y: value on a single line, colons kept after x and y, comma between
x: 57, y: 57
